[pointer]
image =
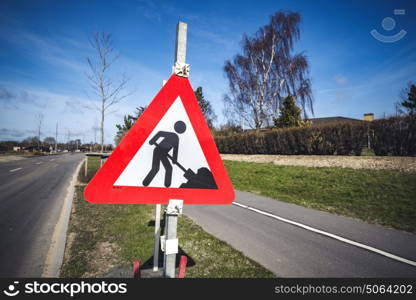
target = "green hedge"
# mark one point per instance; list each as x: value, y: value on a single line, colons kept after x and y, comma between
x: 393, y: 136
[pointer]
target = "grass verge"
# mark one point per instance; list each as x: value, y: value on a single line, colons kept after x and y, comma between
x: 386, y: 197
x: 102, y: 236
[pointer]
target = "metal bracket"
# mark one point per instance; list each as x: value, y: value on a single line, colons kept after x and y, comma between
x: 171, y: 246
x: 174, y: 207
x: 181, y: 69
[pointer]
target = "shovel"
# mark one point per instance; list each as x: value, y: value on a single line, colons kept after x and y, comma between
x: 188, y: 174
x: 202, y: 180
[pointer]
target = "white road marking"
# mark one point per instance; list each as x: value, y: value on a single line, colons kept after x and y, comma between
x: 52, y: 159
x: 38, y: 163
x: 330, y: 235
x: 14, y: 170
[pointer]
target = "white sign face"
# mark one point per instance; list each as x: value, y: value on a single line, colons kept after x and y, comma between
x: 172, y: 139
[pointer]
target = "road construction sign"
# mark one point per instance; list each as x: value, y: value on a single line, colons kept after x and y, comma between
x: 168, y: 153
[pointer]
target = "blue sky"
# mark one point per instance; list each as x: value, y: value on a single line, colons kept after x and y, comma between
x: 44, y: 45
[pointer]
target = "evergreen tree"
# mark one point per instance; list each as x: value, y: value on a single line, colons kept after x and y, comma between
x: 206, y: 107
x: 129, y: 120
x: 290, y: 114
x: 409, y: 100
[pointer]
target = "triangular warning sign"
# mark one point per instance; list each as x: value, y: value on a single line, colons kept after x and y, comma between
x: 169, y: 153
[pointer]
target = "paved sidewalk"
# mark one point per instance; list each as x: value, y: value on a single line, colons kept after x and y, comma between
x: 291, y: 251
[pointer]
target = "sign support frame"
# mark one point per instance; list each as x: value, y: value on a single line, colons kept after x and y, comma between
x: 157, y: 238
x: 215, y: 188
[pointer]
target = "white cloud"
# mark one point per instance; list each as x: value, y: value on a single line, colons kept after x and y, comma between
x: 341, y: 80
x: 10, y: 99
x: 57, y: 51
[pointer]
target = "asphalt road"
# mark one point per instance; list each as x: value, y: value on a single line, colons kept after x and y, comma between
x: 32, y: 191
x: 291, y: 251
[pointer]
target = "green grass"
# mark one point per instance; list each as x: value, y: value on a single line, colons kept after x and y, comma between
x: 386, y: 197
x: 102, y: 236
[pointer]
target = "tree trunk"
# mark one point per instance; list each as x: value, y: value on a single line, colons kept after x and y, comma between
x: 102, y: 130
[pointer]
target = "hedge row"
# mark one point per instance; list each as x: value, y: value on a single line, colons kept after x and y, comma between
x: 393, y: 136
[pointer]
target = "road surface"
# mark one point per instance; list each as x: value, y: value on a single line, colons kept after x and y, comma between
x: 32, y: 191
x: 292, y: 251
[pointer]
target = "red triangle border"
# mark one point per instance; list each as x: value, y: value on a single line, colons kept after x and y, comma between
x: 101, y: 188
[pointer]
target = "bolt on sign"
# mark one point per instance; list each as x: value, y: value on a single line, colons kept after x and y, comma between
x: 168, y: 153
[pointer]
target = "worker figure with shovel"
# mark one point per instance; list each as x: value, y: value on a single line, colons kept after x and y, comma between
x: 161, y: 153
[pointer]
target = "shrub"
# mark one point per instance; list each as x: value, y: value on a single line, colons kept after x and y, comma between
x: 392, y: 136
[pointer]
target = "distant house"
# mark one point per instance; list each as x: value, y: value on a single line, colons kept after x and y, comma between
x: 369, y: 117
x: 331, y: 120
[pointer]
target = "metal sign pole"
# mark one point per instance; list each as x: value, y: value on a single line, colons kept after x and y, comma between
x: 157, y: 231
x: 171, y: 239
x: 180, y: 68
x: 86, y: 166
x: 174, y: 208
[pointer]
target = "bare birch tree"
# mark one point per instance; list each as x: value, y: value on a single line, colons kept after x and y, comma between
x: 108, y: 90
x: 266, y: 72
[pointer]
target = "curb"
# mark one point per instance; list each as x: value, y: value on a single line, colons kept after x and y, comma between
x: 55, y: 256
